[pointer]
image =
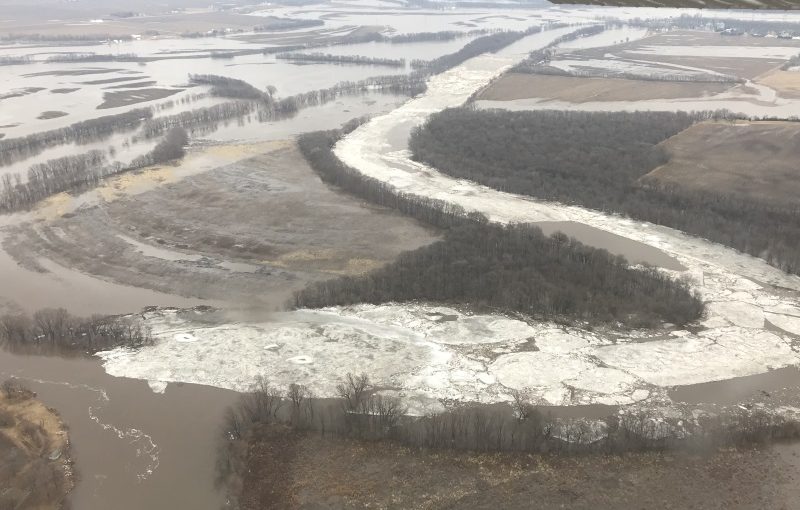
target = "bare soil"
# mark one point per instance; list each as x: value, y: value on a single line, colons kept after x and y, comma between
x: 311, y: 472
x: 786, y: 83
x: 249, y: 233
x: 35, y: 470
x: 754, y: 160
x: 580, y: 90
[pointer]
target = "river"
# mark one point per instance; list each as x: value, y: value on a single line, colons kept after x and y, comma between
x: 133, y: 448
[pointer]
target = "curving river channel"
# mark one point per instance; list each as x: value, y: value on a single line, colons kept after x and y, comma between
x: 155, y: 447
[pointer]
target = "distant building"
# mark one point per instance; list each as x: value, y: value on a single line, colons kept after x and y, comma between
x: 732, y: 31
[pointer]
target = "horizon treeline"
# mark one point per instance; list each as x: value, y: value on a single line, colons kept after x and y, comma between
x: 598, y: 160
x: 342, y: 59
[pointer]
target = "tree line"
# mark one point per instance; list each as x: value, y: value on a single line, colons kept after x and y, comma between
x: 92, y: 57
x: 359, y: 412
x: 230, y: 87
x: 342, y: 59
x: 445, y: 35
x: 516, y: 268
x: 792, y: 62
x: 16, y: 149
x: 544, y: 55
x: 56, y: 331
x: 598, y: 161
x: 79, y: 172
x: 487, y: 44
x: 10, y: 60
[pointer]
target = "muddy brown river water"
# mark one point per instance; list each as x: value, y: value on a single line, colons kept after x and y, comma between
x: 133, y: 449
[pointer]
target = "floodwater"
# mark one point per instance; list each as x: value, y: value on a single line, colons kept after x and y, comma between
x: 634, y: 251
x: 79, y: 293
x: 258, y: 70
x: 739, y: 389
x: 133, y: 448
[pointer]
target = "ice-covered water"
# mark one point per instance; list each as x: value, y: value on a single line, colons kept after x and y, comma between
x: 412, y: 349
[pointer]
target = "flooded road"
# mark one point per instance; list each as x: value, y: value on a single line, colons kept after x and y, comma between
x: 133, y: 448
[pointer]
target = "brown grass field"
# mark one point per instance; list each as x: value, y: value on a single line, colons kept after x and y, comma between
x: 580, y: 90
x: 754, y: 160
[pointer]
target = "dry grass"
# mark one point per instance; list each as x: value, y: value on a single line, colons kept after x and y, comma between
x: 29, y: 434
x: 786, y: 83
x: 755, y: 160
x: 288, y: 471
x: 580, y: 90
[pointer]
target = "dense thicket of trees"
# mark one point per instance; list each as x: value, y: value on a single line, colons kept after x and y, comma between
x: 317, y: 148
x: 199, y: 116
x: 55, y: 331
x: 229, y: 87
x: 16, y: 149
x: 52, y: 177
x: 516, y: 268
x: 359, y: 412
x: 486, y: 44
x: 597, y: 160
x: 342, y: 59
x: 168, y: 149
x: 792, y: 62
